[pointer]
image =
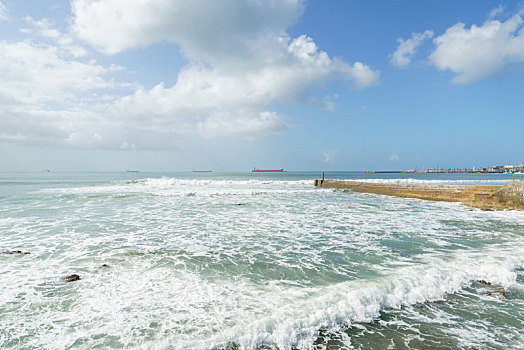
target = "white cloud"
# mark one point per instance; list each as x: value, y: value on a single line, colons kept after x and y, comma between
x: 329, y: 155
x: 241, y: 61
x: 45, y: 98
x: 249, y: 126
x: 227, y: 35
x: 3, y: 12
x: 36, y: 74
x: 328, y: 102
x: 393, y: 157
x: 479, y: 51
x: 203, y: 28
x: 44, y: 30
x: 407, y: 48
x: 497, y: 11
x: 230, y: 97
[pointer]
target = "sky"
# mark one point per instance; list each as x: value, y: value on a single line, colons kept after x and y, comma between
x: 226, y: 85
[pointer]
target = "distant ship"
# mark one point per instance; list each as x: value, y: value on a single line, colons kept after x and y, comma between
x: 255, y: 170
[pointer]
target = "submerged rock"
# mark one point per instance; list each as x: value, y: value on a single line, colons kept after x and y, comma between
x: 486, y: 283
x: 11, y: 252
x: 229, y: 346
x: 104, y: 265
x: 72, y: 278
x: 497, y: 293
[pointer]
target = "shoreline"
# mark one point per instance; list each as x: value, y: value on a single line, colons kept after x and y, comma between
x: 486, y: 197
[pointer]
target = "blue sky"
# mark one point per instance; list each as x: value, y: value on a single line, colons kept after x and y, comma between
x: 227, y: 85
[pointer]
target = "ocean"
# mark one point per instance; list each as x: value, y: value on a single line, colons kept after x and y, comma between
x: 253, y: 261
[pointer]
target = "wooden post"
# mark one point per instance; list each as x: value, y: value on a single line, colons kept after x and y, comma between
x: 322, y: 177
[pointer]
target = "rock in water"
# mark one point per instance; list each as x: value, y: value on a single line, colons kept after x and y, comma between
x: 486, y: 283
x: 497, y: 293
x: 104, y: 265
x: 72, y: 278
x: 11, y: 252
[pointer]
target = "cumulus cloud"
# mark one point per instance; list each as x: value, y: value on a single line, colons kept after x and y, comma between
x: 241, y: 61
x: 200, y: 88
x: 37, y: 74
x: 479, y: 51
x: 203, y: 28
x: 407, y: 48
x: 228, y: 35
x: 228, y: 101
x: 45, y: 98
x: 3, y: 12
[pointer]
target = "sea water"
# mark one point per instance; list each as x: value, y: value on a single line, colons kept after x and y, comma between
x: 253, y: 261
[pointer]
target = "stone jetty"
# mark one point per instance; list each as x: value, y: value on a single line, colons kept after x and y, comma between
x: 486, y: 197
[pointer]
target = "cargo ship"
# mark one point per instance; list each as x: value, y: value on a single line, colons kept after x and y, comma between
x: 255, y: 170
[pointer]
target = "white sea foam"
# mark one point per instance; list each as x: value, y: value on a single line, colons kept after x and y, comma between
x: 357, y: 301
x: 185, y: 187
x: 189, y: 270
x: 194, y: 313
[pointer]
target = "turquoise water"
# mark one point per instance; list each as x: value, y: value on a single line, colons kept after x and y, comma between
x: 253, y: 261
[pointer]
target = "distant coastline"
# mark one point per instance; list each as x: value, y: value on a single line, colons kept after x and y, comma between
x: 496, y: 169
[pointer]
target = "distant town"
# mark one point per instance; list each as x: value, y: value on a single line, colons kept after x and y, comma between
x: 496, y: 169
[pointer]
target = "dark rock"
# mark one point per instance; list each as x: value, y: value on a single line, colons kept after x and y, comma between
x: 72, y: 278
x: 104, y: 265
x: 239, y: 203
x: 228, y: 346
x: 486, y: 283
x: 11, y: 252
x: 232, y: 346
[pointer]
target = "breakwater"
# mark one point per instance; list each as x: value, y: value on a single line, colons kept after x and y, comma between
x: 487, y: 197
